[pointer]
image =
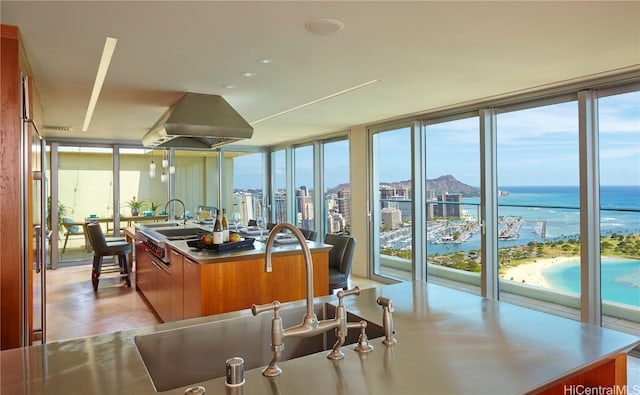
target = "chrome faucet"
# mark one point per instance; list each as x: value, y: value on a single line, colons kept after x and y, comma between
x: 310, y: 325
x: 184, y: 209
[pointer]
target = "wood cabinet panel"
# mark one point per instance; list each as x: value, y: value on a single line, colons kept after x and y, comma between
x: 608, y: 374
x: 192, y: 295
x: 177, y: 285
x: 144, y: 272
x: 11, y: 262
x: 162, y: 292
x: 187, y: 289
x: 231, y: 286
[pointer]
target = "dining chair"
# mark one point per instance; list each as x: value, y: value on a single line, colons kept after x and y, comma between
x: 71, y: 228
x: 340, y: 258
x: 102, y: 248
x: 309, y: 234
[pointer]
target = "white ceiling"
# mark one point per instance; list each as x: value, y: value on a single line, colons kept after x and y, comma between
x: 426, y: 54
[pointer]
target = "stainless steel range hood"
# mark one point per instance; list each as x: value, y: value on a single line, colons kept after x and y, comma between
x: 198, y: 121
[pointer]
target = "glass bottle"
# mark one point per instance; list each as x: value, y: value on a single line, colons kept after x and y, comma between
x: 218, y: 233
x: 225, y: 226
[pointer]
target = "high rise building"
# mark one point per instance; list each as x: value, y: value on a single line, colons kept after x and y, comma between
x: 449, y: 208
x: 391, y: 218
x: 305, y: 208
x: 280, y: 206
x: 344, y: 204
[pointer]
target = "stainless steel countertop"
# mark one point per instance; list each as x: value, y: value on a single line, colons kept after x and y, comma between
x: 449, y: 342
x: 209, y: 256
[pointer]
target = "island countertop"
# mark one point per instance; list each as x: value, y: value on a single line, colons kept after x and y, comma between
x: 205, y: 256
x: 449, y: 342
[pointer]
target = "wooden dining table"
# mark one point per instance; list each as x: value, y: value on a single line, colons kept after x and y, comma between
x: 128, y: 220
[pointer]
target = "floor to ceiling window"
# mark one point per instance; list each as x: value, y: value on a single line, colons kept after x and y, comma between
x: 538, y: 201
x: 85, y: 189
x: 453, y: 205
x: 304, y: 187
x: 619, y: 151
x: 279, y: 185
x: 196, y: 179
x: 391, y: 203
x: 248, y: 186
x: 138, y: 183
x: 337, y: 193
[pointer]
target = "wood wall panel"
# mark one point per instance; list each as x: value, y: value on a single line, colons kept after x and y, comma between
x: 10, y: 241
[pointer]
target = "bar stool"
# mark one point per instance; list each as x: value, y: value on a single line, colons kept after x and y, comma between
x: 102, y: 248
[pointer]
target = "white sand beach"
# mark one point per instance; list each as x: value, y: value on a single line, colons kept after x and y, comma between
x: 531, y: 273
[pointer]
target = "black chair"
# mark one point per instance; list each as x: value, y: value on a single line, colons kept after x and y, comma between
x: 309, y: 234
x: 340, y: 257
x: 102, y: 248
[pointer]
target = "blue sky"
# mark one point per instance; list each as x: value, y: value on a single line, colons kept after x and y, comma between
x: 536, y: 146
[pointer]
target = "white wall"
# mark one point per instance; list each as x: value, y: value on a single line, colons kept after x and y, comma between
x: 359, y: 218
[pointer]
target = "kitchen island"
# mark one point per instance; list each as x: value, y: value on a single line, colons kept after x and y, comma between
x: 183, y: 282
x: 449, y: 342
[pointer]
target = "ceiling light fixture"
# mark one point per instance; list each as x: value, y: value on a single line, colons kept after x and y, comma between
x: 248, y: 74
x: 342, y: 92
x: 165, y: 161
x: 107, y: 53
x: 266, y: 61
x: 324, y: 26
x: 152, y: 167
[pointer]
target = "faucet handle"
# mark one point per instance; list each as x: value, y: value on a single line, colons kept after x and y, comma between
x: 354, y: 291
x: 257, y: 309
x: 342, y: 293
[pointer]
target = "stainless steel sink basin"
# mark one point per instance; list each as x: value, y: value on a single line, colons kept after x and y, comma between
x: 183, y: 357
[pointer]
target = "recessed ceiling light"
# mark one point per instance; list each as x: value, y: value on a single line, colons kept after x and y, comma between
x: 248, y: 74
x: 229, y: 86
x: 265, y: 61
x: 324, y: 26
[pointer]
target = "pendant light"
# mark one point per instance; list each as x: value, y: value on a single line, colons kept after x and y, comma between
x: 165, y: 161
x: 152, y: 167
x: 163, y: 177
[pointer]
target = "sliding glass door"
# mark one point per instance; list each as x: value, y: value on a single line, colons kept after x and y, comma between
x: 539, y: 202
x: 452, y: 205
x: 619, y: 149
x: 391, y: 204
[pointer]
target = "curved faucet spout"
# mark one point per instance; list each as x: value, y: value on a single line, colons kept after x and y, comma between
x: 310, y: 316
x: 184, y: 208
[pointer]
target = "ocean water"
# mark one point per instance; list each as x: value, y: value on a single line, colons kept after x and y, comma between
x: 619, y: 279
x: 558, y: 208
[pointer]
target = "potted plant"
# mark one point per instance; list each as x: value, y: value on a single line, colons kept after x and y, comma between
x: 153, y: 206
x: 135, y: 206
x: 62, y: 211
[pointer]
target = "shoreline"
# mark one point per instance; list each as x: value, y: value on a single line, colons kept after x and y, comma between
x: 531, y: 273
